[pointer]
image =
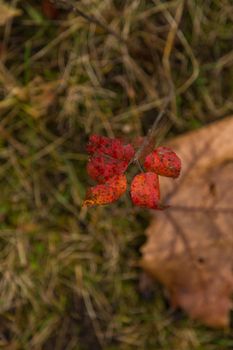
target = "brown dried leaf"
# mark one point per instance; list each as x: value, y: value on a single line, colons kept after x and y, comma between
x: 7, y: 12
x: 49, y: 9
x: 190, y: 246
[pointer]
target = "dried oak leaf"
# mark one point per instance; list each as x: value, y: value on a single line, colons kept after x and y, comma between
x: 190, y: 246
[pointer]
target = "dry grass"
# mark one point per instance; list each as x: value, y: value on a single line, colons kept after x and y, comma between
x: 69, y: 277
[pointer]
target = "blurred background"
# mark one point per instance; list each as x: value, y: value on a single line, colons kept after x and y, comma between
x: 69, y: 277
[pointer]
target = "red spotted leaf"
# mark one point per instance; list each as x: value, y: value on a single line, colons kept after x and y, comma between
x: 111, y: 147
x: 145, y: 190
x: 106, y: 193
x: 101, y: 167
x: 128, y: 152
x: 163, y: 161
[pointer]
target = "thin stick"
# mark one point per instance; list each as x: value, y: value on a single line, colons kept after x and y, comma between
x: 151, y: 132
x: 90, y: 18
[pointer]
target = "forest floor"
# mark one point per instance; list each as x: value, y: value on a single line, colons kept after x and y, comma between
x: 69, y: 277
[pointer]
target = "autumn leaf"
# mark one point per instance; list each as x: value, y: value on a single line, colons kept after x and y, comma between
x: 106, y: 193
x: 163, y: 161
x: 109, y: 157
x: 145, y: 190
x: 190, y: 246
x: 113, y: 148
x: 101, y: 168
x: 49, y: 9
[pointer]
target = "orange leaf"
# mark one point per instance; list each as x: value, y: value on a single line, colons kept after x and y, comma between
x: 107, y: 193
x: 145, y: 190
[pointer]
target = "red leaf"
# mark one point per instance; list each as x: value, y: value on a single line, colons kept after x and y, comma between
x: 163, y: 161
x: 110, y: 157
x: 112, y: 147
x: 128, y: 152
x: 107, y: 193
x: 101, y: 167
x: 49, y: 9
x: 145, y: 190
